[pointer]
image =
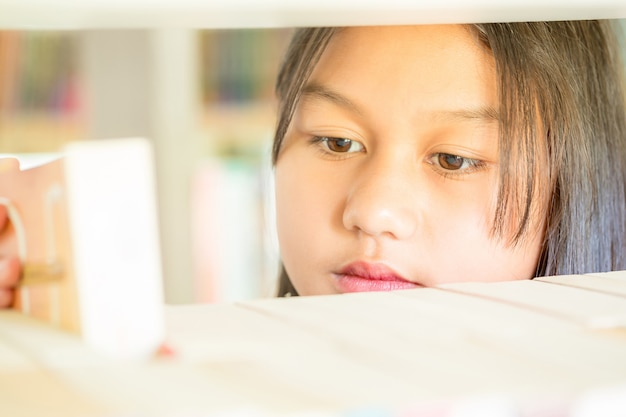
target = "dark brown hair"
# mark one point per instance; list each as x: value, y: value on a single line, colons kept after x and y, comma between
x: 561, y: 94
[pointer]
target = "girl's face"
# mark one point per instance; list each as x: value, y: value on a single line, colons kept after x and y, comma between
x: 388, y: 175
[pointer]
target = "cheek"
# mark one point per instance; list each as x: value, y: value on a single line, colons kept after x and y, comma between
x: 509, y: 263
x: 457, y: 234
x: 485, y: 257
x: 463, y: 213
x: 303, y: 215
x: 309, y: 197
x: 291, y: 213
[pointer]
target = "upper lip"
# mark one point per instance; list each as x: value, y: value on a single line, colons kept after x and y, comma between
x: 373, y: 271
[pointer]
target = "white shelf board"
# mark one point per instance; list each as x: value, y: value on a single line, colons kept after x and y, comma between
x: 82, y: 14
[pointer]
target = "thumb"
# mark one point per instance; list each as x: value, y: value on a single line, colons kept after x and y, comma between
x: 9, y: 164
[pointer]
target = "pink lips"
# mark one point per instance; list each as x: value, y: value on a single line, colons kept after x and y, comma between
x: 363, y: 276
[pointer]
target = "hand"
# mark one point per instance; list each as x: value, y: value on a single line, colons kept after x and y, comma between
x: 9, y: 269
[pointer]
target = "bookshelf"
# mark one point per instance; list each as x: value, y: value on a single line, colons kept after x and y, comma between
x: 209, y: 89
x: 143, y: 66
x: 108, y: 14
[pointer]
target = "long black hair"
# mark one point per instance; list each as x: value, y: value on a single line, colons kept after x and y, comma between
x: 562, y: 126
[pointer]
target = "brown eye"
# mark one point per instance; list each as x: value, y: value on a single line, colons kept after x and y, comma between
x: 339, y: 144
x: 450, y: 165
x: 450, y: 162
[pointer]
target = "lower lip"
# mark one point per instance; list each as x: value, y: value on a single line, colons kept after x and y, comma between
x: 350, y: 283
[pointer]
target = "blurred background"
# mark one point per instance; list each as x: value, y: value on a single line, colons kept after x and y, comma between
x: 203, y: 97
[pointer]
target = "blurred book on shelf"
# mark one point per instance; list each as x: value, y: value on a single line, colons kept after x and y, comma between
x: 40, y: 95
x: 240, y: 66
x: 233, y: 258
x: 234, y: 250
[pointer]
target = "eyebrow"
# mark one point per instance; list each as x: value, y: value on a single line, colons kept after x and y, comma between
x: 479, y: 114
x: 319, y: 91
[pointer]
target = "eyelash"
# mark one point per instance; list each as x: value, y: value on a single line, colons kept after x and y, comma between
x: 468, y: 166
x: 322, y: 143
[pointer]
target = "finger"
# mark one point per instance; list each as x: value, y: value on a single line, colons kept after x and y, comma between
x: 4, y: 217
x: 9, y: 272
x: 9, y: 164
x: 6, y: 297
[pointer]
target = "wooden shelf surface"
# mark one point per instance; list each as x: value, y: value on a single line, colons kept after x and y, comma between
x: 555, y: 345
x: 72, y: 14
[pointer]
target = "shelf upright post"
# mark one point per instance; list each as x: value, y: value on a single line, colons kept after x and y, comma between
x: 144, y: 83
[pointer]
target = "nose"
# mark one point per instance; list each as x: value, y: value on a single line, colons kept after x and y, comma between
x: 382, y: 202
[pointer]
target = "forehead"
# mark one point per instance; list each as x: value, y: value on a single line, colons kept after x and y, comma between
x: 415, y: 42
x: 439, y: 65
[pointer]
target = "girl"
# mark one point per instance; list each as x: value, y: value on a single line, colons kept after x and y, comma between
x: 423, y: 155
